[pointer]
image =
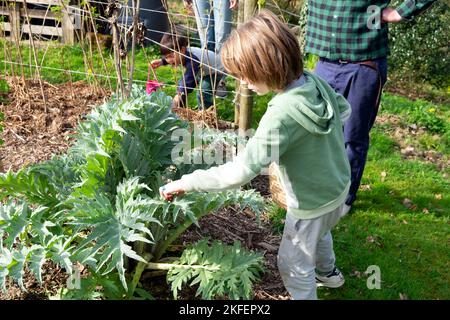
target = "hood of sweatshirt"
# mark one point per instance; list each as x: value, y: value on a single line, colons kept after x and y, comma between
x: 309, y: 101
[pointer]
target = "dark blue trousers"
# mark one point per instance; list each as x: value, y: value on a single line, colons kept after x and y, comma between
x: 361, y: 85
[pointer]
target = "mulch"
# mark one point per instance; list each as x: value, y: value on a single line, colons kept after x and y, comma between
x: 229, y: 225
x: 35, y: 130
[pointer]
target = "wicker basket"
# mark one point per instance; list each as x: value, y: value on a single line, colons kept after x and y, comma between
x: 275, y: 187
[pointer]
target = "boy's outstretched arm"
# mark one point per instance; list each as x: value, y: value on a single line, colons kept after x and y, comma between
x: 267, y: 145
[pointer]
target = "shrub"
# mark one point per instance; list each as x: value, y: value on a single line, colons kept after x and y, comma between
x: 419, y: 49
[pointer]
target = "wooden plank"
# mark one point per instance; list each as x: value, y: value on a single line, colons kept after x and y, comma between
x: 5, y: 26
x: 34, y: 13
x: 14, y: 19
x: 40, y: 14
x: 51, y: 31
x: 4, y: 12
x: 68, y: 28
x: 51, y: 2
x: 37, y: 43
x: 68, y: 20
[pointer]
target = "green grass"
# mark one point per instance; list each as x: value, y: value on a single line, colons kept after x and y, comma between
x: 433, y: 119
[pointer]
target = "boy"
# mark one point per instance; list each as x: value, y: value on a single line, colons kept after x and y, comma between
x: 202, y: 67
x: 313, y: 167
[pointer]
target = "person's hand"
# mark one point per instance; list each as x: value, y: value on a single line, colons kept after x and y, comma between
x: 156, y: 63
x: 233, y: 4
x: 177, y: 101
x: 174, y: 188
x: 187, y: 4
x: 390, y: 15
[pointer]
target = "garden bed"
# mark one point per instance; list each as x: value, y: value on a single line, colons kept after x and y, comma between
x: 32, y: 134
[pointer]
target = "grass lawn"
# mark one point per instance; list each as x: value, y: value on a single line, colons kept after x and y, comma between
x: 400, y: 221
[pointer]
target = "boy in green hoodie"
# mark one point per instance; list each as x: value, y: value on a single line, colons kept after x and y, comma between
x: 303, y: 123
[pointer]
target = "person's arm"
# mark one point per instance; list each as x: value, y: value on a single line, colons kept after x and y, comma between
x: 410, y: 8
x: 189, y: 80
x: 406, y: 11
x: 179, y: 100
x: 271, y: 135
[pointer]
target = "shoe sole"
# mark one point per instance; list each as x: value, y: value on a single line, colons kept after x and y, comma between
x: 330, y: 285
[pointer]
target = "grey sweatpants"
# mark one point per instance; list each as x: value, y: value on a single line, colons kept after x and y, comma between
x: 306, y: 245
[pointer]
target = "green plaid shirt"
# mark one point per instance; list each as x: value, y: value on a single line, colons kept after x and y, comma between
x: 339, y: 29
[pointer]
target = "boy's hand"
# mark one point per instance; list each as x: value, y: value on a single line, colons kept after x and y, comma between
x: 156, y: 63
x: 390, y: 15
x: 174, y: 188
x: 233, y: 4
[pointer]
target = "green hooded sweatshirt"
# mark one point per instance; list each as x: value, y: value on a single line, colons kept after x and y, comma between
x: 301, y: 132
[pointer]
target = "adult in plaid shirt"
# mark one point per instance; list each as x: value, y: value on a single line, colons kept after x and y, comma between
x: 351, y: 39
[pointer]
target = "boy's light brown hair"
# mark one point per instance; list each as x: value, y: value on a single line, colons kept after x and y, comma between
x: 263, y: 50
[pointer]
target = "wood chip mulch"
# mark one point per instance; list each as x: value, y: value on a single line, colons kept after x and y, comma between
x: 35, y: 130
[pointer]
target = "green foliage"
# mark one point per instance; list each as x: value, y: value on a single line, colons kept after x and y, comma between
x: 302, y: 22
x: 89, y: 289
x: 218, y: 270
x: 45, y: 184
x: 111, y: 225
x: 426, y: 116
x: 419, y: 49
x: 124, y: 139
x: 99, y: 204
x: 30, y: 237
x: 4, y: 89
x: 420, y: 112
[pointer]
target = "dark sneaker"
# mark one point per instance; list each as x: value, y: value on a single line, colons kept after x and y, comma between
x: 334, y: 279
x: 221, y: 90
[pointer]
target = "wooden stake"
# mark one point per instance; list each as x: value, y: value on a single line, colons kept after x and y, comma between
x: 38, y: 71
x: 246, y: 96
x: 117, y: 58
x: 136, y: 7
